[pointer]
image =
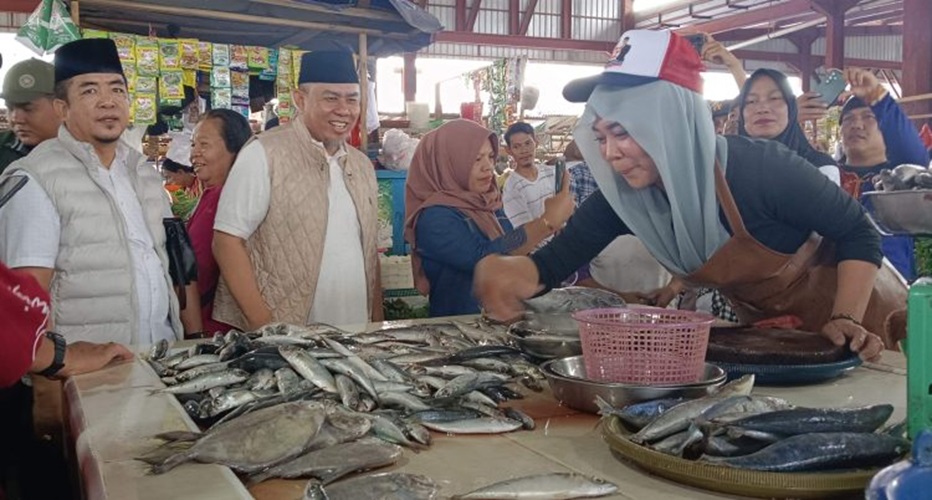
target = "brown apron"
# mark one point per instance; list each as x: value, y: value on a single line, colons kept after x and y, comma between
x: 762, y: 283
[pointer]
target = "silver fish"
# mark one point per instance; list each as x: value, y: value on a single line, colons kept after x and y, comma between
x: 370, y: 372
x: 391, y: 371
x: 467, y: 383
x: 261, y: 379
x: 286, y: 380
x: 334, y: 462
x: 200, y: 359
x: 230, y: 400
x: 446, y: 371
x: 553, y: 486
x: 349, y: 394
x: 375, y: 487
x: 485, y: 425
x: 199, y: 371
x: 480, y: 398
x: 158, y: 350
x: 680, y: 416
x: 257, y: 440
x: 366, y: 403
x: 309, y: 367
x: 350, y: 370
x: 206, y: 382
x: 402, y: 400
x: 489, y: 364
x: 526, y: 421
x: 387, y: 430
x: 417, y: 432
x: 383, y: 387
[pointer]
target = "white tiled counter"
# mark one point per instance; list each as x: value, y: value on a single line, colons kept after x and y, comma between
x: 113, y: 416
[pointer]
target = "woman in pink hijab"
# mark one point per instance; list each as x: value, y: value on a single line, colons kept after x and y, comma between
x: 454, y: 214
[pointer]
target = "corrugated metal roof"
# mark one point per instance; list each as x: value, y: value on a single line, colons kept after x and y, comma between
x: 883, y: 48
x: 471, y: 51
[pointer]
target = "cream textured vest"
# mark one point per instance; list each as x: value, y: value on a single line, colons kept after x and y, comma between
x: 287, y: 248
x: 92, y: 289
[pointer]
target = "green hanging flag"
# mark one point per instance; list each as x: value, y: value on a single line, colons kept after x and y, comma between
x: 48, y: 28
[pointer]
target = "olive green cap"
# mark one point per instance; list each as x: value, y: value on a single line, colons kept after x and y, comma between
x: 27, y: 81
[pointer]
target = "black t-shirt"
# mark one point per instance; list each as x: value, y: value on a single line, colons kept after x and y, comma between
x: 780, y: 196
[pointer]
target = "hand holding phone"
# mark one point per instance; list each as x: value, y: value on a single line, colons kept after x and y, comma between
x: 559, y: 174
x: 829, y: 86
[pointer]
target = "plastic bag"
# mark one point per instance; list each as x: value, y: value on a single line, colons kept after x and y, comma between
x: 397, y: 150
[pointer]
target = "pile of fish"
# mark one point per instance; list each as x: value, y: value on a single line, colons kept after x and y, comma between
x: 319, y: 402
x: 732, y: 427
x: 902, y: 178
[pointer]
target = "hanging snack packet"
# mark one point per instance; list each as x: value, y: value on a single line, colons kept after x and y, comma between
x: 221, y: 99
x: 171, y: 85
x: 145, y: 109
x: 285, y: 108
x: 220, y: 77
x: 243, y: 110
x: 189, y: 78
x: 239, y: 80
x: 239, y: 57
x: 189, y: 53
x: 147, y: 57
x: 258, y: 58
x: 205, y: 56
x: 129, y: 71
x: 126, y: 45
x: 270, y: 72
x: 146, y: 85
x: 86, y: 33
x: 169, y: 55
x: 221, y: 55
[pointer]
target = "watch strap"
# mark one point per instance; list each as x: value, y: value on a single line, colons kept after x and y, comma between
x: 58, y: 362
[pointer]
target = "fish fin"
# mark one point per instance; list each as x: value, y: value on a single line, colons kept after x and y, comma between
x: 258, y: 478
x: 176, y: 436
x: 605, y: 409
x: 331, y: 475
x: 172, y: 462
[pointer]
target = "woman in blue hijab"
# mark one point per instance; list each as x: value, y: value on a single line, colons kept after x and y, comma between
x: 742, y: 216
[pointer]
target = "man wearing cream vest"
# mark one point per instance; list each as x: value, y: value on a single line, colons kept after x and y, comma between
x: 296, y: 228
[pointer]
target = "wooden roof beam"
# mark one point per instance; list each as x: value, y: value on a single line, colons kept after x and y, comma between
x: 788, y: 9
x: 473, y: 15
x: 526, y: 17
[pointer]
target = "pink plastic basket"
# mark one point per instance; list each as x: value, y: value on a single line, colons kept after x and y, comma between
x: 647, y: 346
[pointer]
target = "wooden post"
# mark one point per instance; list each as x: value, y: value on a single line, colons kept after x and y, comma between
x: 364, y: 91
x: 917, y: 58
x: 409, y: 76
x: 76, y: 13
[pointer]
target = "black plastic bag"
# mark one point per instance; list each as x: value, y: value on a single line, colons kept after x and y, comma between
x: 182, y: 263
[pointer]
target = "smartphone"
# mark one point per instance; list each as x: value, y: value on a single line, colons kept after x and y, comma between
x: 697, y: 41
x: 10, y: 186
x: 560, y: 172
x: 830, y: 85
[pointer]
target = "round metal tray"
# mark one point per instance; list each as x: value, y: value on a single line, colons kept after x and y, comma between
x: 544, y: 346
x: 729, y: 479
x: 901, y: 212
x: 571, y: 388
x: 792, y: 374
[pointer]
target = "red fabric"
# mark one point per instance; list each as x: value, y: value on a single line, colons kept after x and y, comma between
x: 788, y: 322
x: 201, y: 231
x: 24, y: 314
x: 926, y: 135
x: 682, y: 65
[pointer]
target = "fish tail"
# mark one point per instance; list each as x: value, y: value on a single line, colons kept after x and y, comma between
x: 171, y: 462
x: 605, y: 409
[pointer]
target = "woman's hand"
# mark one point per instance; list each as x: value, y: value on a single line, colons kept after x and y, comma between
x: 843, y: 331
x: 863, y: 84
x: 811, y: 107
x: 502, y: 283
x: 714, y: 52
x: 662, y: 297
x: 559, y: 207
x: 86, y: 357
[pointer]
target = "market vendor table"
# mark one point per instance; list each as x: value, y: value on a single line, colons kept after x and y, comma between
x: 112, y: 416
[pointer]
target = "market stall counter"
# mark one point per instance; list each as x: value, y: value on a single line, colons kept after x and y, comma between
x: 112, y: 417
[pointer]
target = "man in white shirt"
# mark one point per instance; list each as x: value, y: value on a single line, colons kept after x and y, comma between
x: 88, y: 222
x: 296, y: 229
x: 531, y: 183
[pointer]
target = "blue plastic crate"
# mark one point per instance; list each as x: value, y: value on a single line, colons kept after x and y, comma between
x: 392, y: 194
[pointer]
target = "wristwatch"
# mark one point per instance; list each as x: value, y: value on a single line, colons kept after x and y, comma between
x: 58, y: 362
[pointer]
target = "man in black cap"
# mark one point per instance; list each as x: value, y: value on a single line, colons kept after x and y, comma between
x: 88, y: 223
x: 296, y: 228
x: 876, y: 134
x: 28, y: 91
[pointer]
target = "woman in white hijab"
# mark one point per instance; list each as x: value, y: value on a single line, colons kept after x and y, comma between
x: 750, y: 218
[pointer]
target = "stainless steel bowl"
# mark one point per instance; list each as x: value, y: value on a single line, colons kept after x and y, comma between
x: 571, y: 388
x: 543, y: 345
x: 902, y: 212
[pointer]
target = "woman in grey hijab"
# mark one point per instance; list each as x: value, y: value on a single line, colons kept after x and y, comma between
x: 749, y: 218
